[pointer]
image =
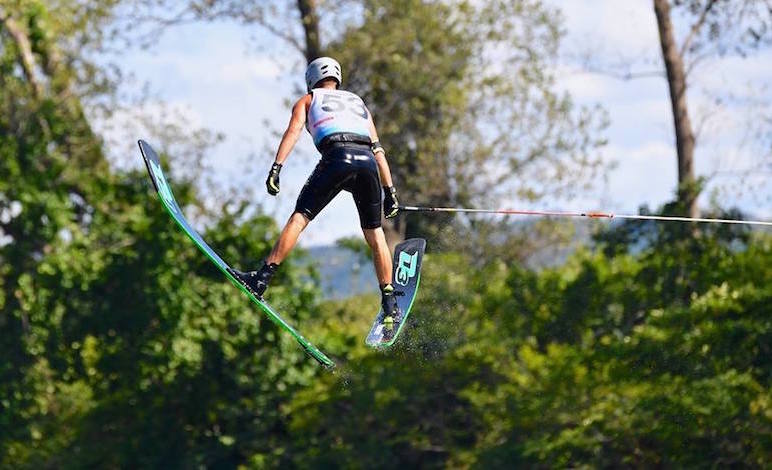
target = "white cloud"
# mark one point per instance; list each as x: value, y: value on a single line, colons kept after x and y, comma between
x: 645, y: 175
x: 609, y: 24
x: 720, y: 73
x: 583, y: 87
x: 250, y: 69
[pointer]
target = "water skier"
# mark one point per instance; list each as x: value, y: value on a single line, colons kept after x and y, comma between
x: 352, y: 160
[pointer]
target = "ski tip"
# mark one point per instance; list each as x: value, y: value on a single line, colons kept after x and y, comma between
x: 147, y: 151
x: 323, y: 360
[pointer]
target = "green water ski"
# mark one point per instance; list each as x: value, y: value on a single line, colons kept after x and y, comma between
x: 408, y: 257
x: 161, y: 185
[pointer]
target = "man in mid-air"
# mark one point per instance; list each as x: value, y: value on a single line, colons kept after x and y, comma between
x: 352, y: 160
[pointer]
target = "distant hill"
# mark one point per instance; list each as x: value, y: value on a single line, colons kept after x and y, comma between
x: 343, y: 273
x: 346, y: 274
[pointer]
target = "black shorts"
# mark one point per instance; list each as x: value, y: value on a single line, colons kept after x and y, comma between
x: 349, y: 167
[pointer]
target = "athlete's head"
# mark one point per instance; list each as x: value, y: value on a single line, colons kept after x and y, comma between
x: 320, y: 69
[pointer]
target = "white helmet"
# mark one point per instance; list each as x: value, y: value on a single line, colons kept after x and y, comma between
x: 321, y: 68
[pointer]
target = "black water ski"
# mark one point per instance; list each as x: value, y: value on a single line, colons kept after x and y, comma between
x: 408, y: 257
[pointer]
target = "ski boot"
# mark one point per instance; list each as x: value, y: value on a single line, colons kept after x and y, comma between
x: 257, y: 281
x: 392, y: 313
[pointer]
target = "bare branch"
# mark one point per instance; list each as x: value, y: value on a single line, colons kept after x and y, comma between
x: 176, y: 19
x: 293, y: 41
x: 697, y: 26
x: 191, y: 14
x: 695, y: 61
x: 624, y: 76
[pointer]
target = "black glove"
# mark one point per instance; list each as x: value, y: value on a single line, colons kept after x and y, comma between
x: 272, y: 183
x: 390, y: 203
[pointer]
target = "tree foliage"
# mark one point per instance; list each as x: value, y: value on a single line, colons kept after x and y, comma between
x: 123, y: 347
x: 113, y: 324
x: 655, y: 357
x: 465, y: 104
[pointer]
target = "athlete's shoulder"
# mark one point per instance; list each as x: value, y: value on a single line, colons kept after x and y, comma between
x: 303, y: 102
x: 347, y: 93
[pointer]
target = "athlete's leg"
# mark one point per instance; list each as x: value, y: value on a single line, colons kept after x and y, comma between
x: 381, y: 254
x: 324, y: 183
x: 257, y: 281
x: 382, y: 260
x: 288, y: 238
x: 367, y: 197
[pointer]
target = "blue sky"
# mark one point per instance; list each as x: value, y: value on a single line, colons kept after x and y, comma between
x: 216, y: 76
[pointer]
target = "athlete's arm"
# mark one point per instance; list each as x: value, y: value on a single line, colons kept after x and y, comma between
x: 288, y: 141
x: 390, y: 202
x: 380, y: 156
x: 294, y: 129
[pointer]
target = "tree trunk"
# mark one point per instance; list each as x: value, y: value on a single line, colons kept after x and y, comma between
x: 676, y: 79
x: 310, y: 20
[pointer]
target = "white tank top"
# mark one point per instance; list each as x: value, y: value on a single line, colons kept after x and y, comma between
x: 334, y: 111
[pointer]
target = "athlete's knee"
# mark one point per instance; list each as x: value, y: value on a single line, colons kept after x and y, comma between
x: 371, y: 227
x: 369, y: 234
x: 374, y: 236
x: 299, y: 219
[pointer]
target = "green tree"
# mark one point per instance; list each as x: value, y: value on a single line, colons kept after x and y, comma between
x: 45, y: 142
x: 655, y: 355
x: 115, y: 329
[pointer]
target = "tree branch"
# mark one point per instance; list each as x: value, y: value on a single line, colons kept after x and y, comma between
x: 190, y: 14
x: 697, y: 26
x: 695, y: 61
x: 26, y: 57
x: 624, y: 76
x: 293, y: 41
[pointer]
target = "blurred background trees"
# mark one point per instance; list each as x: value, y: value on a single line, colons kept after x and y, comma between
x: 460, y: 91
x: 123, y: 347
x: 103, y: 335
